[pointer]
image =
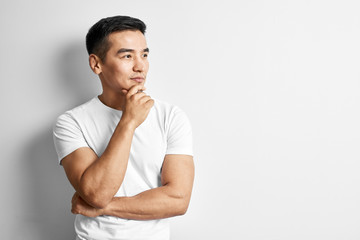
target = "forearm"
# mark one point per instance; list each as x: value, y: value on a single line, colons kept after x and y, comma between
x: 171, y: 199
x: 102, y: 179
x: 157, y: 203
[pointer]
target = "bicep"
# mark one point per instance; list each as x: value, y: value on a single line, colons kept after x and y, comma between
x: 178, y: 173
x: 76, y: 163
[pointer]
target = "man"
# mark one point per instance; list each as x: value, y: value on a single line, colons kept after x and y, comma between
x: 128, y: 157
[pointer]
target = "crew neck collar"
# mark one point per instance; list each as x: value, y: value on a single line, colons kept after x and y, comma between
x: 105, y: 106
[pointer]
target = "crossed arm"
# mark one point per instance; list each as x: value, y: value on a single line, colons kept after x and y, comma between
x: 171, y: 199
x: 97, y: 179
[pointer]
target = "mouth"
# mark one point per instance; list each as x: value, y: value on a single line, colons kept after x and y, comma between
x: 138, y: 79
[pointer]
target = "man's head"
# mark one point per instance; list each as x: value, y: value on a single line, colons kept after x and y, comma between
x: 97, y: 38
x: 118, y: 53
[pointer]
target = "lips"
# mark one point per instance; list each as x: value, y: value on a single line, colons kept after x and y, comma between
x: 138, y: 79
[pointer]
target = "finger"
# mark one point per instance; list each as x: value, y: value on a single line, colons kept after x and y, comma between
x: 150, y: 103
x: 135, y: 89
x: 144, y: 98
x: 138, y: 95
x: 74, y: 197
x: 75, y: 211
x: 124, y: 91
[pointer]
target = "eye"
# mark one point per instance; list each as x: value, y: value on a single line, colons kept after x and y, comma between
x: 145, y: 55
x: 127, y: 56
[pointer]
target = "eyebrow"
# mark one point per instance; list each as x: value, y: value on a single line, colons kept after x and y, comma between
x: 122, y: 50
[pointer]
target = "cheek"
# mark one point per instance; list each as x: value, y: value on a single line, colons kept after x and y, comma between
x: 124, y: 69
x: 146, y: 67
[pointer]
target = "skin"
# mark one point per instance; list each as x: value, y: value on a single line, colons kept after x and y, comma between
x: 96, y: 179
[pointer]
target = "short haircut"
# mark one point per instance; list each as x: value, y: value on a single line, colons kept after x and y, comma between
x: 97, y: 37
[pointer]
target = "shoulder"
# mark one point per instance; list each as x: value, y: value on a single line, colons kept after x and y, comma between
x: 171, y: 115
x: 79, y: 111
x: 67, y: 131
x: 167, y: 109
x: 84, y: 108
x: 177, y: 128
x: 74, y: 116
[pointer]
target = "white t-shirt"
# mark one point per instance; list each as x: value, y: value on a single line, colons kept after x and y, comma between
x: 166, y: 130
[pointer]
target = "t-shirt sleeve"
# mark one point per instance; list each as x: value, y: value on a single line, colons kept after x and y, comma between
x: 179, y: 138
x: 67, y: 136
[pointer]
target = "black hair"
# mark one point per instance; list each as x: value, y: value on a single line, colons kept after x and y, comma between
x: 97, y: 37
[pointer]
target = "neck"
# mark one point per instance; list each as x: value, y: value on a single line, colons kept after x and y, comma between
x: 116, y: 101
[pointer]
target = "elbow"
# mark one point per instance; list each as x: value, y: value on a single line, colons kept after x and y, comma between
x: 98, y: 203
x: 181, y: 201
x: 183, y: 208
x: 182, y: 205
x: 96, y: 199
x: 181, y: 212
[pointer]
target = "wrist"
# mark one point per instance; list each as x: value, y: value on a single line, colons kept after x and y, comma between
x: 127, y: 124
x: 107, y: 210
x: 102, y: 211
x: 115, y: 208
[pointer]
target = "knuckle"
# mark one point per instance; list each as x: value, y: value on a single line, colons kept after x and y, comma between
x: 132, y: 97
x: 75, y: 211
x: 150, y: 102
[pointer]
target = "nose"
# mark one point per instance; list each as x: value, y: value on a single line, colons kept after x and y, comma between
x: 139, y: 65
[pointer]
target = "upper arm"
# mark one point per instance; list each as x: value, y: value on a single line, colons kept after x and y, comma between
x: 178, y: 174
x: 178, y: 166
x: 179, y: 134
x: 73, y: 151
x: 76, y: 163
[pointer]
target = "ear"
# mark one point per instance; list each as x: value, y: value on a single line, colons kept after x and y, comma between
x: 95, y: 64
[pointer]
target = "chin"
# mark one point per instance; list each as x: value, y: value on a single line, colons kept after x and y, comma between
x: 137, y: 83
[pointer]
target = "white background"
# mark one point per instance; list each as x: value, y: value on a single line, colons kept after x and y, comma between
x: 271, y: 88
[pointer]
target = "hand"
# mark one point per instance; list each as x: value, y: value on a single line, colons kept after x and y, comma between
x: 137, y: 106
x: 79, y: 206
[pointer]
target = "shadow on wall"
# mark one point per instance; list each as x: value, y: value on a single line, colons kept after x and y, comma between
x: 76, y: 83
x: 49, y: 193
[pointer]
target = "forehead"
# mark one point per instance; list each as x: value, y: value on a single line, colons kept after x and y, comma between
x: 127, y: 39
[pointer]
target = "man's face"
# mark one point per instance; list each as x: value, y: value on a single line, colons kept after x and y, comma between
x: 126, y: 62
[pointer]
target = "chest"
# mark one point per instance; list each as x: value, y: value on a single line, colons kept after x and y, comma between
x: 148, y: 145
